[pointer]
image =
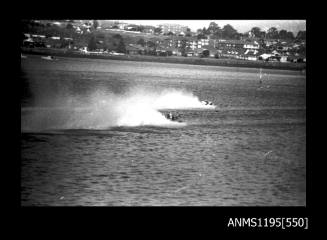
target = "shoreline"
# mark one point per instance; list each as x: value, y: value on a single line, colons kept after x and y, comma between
x: 173, y: 59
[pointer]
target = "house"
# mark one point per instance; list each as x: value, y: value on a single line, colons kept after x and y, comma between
x: 251, y: 58
x: 193, y: 44
x: 231, y: 48
x: 148, y: 29
x: 283, y: 58
x: 297, y: 58
x: 251, y: 45
x: 165, y: 51
x: 169, y: 51
x: 212, y: 50
x: 84, y: 50
x: 276, y: 53
x: 202, y: 42
x: 38, y: 36
x: 198, y: 52
x: 253, y: 54
x: 28, y: 42
x: 295, y: 46
x: 265, y: 56
x: 122, y: 25
x: 134, y: 49
x: 230, y: 44
x: 114, y: 53
x: 175, y: 51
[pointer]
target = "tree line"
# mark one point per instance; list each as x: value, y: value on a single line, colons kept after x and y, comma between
x: 229, y: 32
x: 116, y: 42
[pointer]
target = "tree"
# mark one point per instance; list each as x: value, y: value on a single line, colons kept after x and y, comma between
x: 238, y: 36
x: 272, y: 33
x: 105, y: 46
x: 183, y: 46
x: 117, y: 36
x: 95, y: 24
x: 157, y: 30
x: 151, y: 44
x: 64, y: 43
x: 121, y: 47
x: 188, y: 32
x: 212, y: 27
x: 262, y: 34
x: 282, y: 34
x: 140, y: 28
x: 141, y: 42
x: 205, y: 53
x: 214, y: 30
x: 229, y: 32
x: 256, y: 31
x: 92, y: 43
x: 118, y: 42
x: 69, y: 26
x: 205, y: 31
x: 201, y: 36
x: 301, y: 35
x: 289, y: 35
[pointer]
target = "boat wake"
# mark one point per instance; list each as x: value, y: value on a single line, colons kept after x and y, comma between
x: 102, y: 110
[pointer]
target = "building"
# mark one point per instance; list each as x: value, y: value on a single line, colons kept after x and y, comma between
x: 265, y: 56
x: 28, y: 42
x: 148, y: 29
x: 56, y: 23
x: 38, y: 36
x: 134, y: 49
x: 251, y: 57
x: 230, y: 44
x: 174, y: 28
x: 83, y: 50
x: 251, y: 45
x: 191, y: 42
x: 202, y: 42
x: 122, y: 25
x: 283, y: 58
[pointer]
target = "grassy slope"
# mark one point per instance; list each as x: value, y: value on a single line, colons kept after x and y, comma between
x: 172, y: 59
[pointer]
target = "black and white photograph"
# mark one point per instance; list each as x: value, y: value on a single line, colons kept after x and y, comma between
x: 163, y: 112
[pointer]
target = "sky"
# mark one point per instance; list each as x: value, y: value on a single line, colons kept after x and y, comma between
x: 240, y: 25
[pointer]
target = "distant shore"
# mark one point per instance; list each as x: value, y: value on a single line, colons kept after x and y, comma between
x: 173, y: 59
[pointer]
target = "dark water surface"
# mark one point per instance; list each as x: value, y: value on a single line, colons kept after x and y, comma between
x: 83, y: 144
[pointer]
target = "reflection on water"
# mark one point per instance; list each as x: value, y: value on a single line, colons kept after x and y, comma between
x: 250, y: 150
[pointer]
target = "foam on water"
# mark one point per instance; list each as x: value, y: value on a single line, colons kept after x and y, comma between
x: 101, y: 110
x: 175, y: 99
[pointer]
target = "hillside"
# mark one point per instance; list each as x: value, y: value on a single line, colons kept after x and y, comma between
x: 81, y: 36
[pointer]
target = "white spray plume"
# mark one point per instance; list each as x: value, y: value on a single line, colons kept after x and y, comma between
x: 102, y: 110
